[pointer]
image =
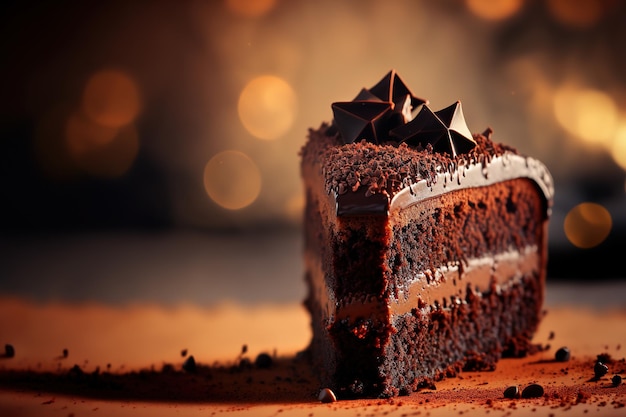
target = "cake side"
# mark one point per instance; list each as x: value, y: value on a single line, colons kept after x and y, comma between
x: 337, y: 282
x: 466, y: 274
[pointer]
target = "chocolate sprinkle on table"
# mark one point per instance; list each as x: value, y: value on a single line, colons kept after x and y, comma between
x: 600, y: 369
x: 9, y: 351
x: 562, y: 355
x: 190, y: 364
x: 263, y: 361
x: 511, y: 392
x: 327, y: 396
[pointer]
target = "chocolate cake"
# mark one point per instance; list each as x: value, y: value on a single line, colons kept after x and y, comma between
x: 425, y: 245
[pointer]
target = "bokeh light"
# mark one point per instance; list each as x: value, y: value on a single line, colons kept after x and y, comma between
x: 618, y: 148
x: 250, y: 8
x: 494, y: 9
x: 578, y: 13
x: 589, y: 114
x: 587, y: 225
x: 232, y: 179
x: 267, y: 107
x: 100, y: 151
x: 111, y: 98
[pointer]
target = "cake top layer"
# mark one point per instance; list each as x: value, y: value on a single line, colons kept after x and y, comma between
x: 375, y: 150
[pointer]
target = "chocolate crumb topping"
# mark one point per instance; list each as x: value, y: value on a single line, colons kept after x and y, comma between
x: 389, y: 167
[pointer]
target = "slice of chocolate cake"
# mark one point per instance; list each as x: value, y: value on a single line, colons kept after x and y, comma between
x: 425, y: 245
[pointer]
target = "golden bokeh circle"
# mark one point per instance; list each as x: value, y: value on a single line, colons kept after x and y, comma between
x: 232, y: 180
x: 111, y: 98
x: 589, y: 114
x: 267, y: 107
x: 587, y: 225
x: 494, y: 9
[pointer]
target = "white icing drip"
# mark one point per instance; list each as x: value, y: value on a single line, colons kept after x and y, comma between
x: 500, y: 168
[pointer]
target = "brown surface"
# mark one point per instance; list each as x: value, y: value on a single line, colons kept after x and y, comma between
x: 97, y: 335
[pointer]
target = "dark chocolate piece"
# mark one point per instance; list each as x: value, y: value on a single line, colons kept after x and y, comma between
x: 445, y: 130
x: 562, y: 355
x: 391, y: 88
x: 363, y: 119
x: 511, y: 392
x: 371, y: 120
x: 532, y: 391
x: 263, y: 361
x: 327, y: 396
x: 600, y: 369
x: 190, y: 364
x: 9, y: 351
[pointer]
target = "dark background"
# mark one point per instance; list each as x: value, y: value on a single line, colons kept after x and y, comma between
x: 190, y: 60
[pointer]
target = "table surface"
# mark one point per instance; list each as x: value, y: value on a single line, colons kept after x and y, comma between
x: 126, y: 321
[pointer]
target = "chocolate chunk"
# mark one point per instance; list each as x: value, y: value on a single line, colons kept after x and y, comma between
x: 190, y: 364
x: 445, y: 130
x: 616, y: 380
x: 327, y: 396
x: 511, y: 392
x: 364, y: 119
x: 600, y: 369
x: 392, y: 88
x: 562, y: 355
x: 532, y: 391
x: 263, y: 361
x: 9, y: 351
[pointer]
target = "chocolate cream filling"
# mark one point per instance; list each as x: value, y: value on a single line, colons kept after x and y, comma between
x: 444, y: 286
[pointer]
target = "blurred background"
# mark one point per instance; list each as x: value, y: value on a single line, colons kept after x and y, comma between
x: 149, y: 149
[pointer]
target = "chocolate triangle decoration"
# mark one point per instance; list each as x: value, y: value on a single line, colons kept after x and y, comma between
x: 445, y: 130
x: 391, y: 88
x: 362, y: 119
x: 385, y: 113
x: 452, y: 116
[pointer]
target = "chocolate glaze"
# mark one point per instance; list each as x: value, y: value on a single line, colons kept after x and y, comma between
x: 357, y: 203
